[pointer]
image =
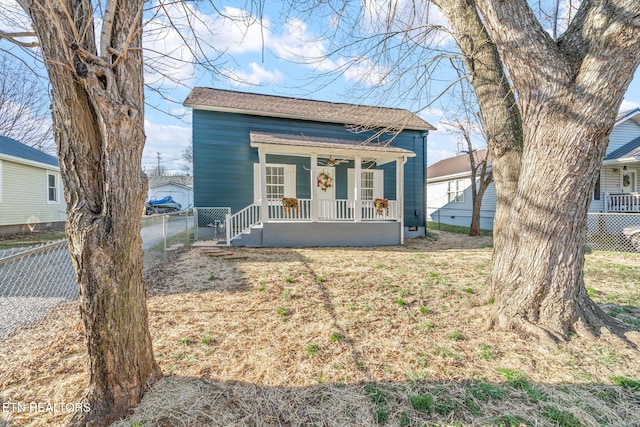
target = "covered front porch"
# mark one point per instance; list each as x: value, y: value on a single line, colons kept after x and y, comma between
x: 351, y: 192
x: 619, y: 182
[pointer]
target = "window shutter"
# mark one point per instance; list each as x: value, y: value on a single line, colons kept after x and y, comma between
x: 351, y: 182
x: 290, y: 181
x: 378, y: 184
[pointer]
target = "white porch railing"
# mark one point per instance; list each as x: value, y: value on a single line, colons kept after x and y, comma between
x: 629, y: 202
x: 242, y: 221
x: 332, y: 210
x: 328, y: 210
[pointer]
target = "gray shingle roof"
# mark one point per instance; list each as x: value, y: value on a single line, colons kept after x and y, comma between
x: 630, y: 149
x: 202, y: 98
x: 454, y: 165
x: 11, y: 147
x: 297, y: 140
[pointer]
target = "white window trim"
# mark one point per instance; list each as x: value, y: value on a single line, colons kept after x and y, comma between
x: 378, y: 183
x: 1, y: 181
x: 57, y: 188
x: 455, y: 187
x: 289, y: 179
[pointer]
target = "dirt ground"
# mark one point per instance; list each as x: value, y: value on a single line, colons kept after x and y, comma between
x: 345, y: 337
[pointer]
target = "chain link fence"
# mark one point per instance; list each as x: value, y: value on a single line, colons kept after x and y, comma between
x: 35, y: 279
x: 210, y: 223
x: 161, y: 234
x: 606, y: 232
x: 32, y: 281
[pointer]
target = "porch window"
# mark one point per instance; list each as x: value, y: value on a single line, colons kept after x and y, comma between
x: 367, y: 185
x: 371, y: 184
x: 275, y: 182
x: 456, y: 191
x: 52, y: 188
x: 280, y: 178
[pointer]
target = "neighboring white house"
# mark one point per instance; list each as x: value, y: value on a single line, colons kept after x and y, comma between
x: 180, y: 188
x: 617, y: 188
x: 31, y: 194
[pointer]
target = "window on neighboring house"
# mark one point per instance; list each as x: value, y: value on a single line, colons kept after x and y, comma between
x: 280, y: 179
x: 0, y: 180
x: 52, y: 188
x: 371, y: 184
x: 456, y: 191
x: 596, y: 189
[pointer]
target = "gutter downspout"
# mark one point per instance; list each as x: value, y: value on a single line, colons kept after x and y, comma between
x: 401, y: 191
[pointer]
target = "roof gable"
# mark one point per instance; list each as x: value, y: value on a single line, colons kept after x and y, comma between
x: 304, y: 109
x: 13, y: 148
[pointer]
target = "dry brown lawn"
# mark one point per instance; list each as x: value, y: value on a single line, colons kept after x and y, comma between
x: 345, y: 337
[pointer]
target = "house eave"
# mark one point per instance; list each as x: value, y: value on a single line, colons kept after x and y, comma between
x: 621, y: 161
x: 293, y: 116
x: 27, y: 162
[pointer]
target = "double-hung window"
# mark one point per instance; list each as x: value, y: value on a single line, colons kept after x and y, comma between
x: 371, y: 184
x: 280, y: 180
x: 456, y: 191
x: 52, y: 188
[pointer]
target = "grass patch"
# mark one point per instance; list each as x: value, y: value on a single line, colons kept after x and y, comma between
x: 626, y: 383
x: 518, y: 381
x: 455, y: 228
x: 313, y: 349
x: 561, y: 418
x: 422, y: 402
x: 486, y: 391
x: 376, y: 394
x: 30, y: 239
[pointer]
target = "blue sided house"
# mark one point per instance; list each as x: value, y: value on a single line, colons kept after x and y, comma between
x: 296, y: 172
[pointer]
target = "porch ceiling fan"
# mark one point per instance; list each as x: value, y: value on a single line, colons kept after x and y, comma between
x: 330, y: 162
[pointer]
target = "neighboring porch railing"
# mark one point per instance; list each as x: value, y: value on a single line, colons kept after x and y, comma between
x: 242, y: 221
x: 629, y: 202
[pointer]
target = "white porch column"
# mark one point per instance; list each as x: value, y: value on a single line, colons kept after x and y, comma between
x: 264, y: 203
x: 357, y: 193
x: 400, y: 195
x: 314, y: 187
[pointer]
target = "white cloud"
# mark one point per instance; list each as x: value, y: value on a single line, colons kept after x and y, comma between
x: 629, y: 105
x: 179, y: 36
x: 168, y: 140
x: 422, y: 21
x: 258, y: 76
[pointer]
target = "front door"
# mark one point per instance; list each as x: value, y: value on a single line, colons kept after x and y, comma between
x: 628, y: 181
x: 326, y: 194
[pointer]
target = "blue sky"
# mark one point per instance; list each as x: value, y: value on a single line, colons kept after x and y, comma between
x: 273, y: 55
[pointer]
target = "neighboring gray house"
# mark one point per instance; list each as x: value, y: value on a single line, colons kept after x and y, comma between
x: 180, y: 188
x: 617, y: 189
x: 31, y: 194
x: 299, y: 172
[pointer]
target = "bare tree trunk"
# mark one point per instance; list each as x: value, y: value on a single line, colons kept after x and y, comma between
x: 484, y: 181
x: 500, y: 115
x: 98, y: 123
x: 569, y: 93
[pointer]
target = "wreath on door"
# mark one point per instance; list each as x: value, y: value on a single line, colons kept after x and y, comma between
x: 626, y: 181
x: 324, y: 181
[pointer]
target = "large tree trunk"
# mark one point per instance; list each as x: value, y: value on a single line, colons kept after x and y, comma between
x: 498, y: 109
x: 98, y: 122
x: 569, y: 93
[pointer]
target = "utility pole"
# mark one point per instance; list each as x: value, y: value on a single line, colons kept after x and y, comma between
x: 158, y: 170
